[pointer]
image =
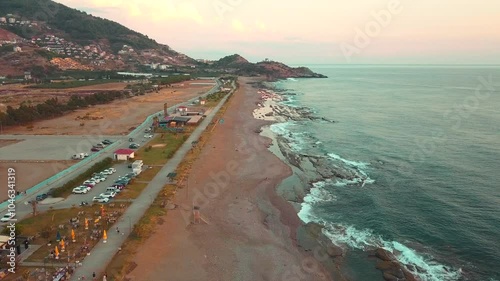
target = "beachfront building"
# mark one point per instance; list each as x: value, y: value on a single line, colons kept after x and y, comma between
x: 174, y: 121
x: 124, y: 154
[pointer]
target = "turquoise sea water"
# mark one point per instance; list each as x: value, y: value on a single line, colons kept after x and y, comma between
x: 427, y: 141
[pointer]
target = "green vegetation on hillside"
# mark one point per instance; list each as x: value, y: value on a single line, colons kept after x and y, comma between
x: 71, y: 84
x: 171, y: 79
x: 77, y: 26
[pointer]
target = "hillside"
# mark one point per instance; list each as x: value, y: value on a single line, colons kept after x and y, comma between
x: 73, y: 25
x: 42, y: 37
x: 236, y: 64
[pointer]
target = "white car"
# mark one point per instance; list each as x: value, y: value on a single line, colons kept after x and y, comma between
x: 113, y: 170
x: 93, y: 182
x: 148, y: 136
x: 99, y: 179
x: 100, y: 199
x: 108, y: 194
x: 7, y: 217
x: 107, y: 172
x: 80, y: 190
x: 88, y: 188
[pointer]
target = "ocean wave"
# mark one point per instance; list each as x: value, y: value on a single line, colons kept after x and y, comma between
x: 319, y: 194
x: 292, y: 79
x: 359, y: 167
x: 426, y: 268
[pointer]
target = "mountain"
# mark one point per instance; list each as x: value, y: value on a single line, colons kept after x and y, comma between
x: 72, y: 25
x: 236, y: 64
x: 42, y: 36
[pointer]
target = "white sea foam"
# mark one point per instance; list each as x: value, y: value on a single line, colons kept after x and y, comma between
x: 429, y: 269
x: 365, y: 239
x: 360, y: 168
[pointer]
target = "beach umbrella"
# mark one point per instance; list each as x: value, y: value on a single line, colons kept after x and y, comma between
x: 104, y: 237
x: 73, y: 235
x: 58, y: 236
x: 56, y: 252
x: 62, y: 245
x: 86, y: 223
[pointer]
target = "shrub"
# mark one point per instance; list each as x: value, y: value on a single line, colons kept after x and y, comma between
x: 67, y: 187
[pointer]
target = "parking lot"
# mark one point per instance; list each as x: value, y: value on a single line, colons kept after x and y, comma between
x: 49, y: 147
x: 121, y: 170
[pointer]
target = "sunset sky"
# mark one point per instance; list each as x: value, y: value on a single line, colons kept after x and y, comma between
x: 319, y: 31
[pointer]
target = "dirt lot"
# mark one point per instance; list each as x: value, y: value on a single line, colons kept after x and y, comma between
x: 14, y: 94
x: 116, y: 118
x: 30, y: 173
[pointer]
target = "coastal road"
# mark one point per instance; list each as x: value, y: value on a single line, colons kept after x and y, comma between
x: 102, y: 253
x: 22, y: 209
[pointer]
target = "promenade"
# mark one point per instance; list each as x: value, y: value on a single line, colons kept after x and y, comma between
x: 102, y: 253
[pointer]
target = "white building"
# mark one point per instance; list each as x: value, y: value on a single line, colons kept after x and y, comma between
x: 12, y: 20
x: 17, y: 49
x: 124, y: 154
x: 3, y: 20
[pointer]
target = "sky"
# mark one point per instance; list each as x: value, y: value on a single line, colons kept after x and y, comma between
x: 316, y: 32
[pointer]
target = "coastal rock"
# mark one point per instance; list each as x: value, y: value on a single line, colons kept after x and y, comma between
x: 334, y: 251
x: 314, y: 229
x: 384, y: 255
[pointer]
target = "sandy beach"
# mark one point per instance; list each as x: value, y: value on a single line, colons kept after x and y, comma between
x: 246, y: 231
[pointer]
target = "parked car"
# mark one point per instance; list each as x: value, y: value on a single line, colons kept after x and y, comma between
x: 99, y: 178
x: 119, y: 186
x: 80, y: 190
x: 95, y: 149
x: 7, y: 217
x: 133, y: 145
x: 112, y: 170
x: 100, y: 199
x: 41, y: 197
x: 148, y: 136
x: 113, y: 189
x: 100, y: 145
x: 107, y: 142
x: 89, y: 185
x: 109, y: 194
x: 131, y: 139
x: 91, y: 181
x: 107, y: 172
x: 88, y: 188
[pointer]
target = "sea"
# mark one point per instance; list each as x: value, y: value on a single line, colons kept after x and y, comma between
x: 425, y: 141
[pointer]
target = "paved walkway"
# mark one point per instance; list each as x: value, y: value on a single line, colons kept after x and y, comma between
x: 102, y: 253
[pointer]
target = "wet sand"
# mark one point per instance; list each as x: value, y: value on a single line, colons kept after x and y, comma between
x: 246, y: 231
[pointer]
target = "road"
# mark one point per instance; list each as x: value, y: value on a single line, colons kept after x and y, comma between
x: 23, y: 209
x: 102, y: 253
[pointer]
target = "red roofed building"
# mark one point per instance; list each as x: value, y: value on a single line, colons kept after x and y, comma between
x: 124, y: 154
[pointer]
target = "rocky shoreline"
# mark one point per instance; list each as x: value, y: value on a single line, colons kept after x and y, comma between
x: 315, y: 168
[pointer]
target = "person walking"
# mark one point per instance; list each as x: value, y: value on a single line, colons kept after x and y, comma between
x: 93, y: 276
x: 117, y: 230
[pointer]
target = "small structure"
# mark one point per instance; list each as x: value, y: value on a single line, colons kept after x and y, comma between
x: 173, y: 121
x: 195, y: 120
x: 202, y: 102
x: 182, y: 109
x: 27, y: 75
x: 124, y: 154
